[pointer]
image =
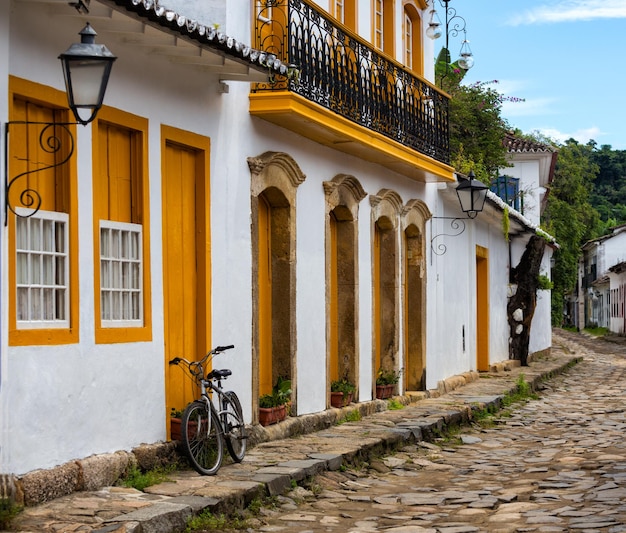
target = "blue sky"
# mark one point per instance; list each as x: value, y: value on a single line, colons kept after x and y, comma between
x: 566, y: 58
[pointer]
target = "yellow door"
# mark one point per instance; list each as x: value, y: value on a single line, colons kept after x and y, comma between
x: 265, y: 297
x: 376, y: 282
x: 333, y: 302
x: 482, y: 309
x: 185, y: 268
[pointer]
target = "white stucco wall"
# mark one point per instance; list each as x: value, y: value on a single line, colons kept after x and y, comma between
x: 611, y: 252
x: 541, y: 327
x: 528, y: 174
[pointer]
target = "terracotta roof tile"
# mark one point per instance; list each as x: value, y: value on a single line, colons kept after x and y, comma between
x: 205, y: 36
x: 515, y: 144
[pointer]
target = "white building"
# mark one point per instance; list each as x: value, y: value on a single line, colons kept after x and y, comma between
x: 298, y: 219
x: 600, y: 280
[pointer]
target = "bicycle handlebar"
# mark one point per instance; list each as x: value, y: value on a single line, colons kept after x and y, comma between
x: 214, y: 351
x: 223, y: 348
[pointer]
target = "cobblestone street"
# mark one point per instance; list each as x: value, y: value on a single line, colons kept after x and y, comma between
x: 555, y: 464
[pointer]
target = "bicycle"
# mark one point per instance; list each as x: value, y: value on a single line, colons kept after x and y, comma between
x: 205, y: 427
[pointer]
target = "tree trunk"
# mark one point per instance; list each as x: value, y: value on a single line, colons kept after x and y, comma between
x: 521, y: 306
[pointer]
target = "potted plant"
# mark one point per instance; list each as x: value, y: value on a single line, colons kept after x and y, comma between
x: 341, y: 392
x: 273, y: 406
x: 175, y: 424
x: 386, y: 382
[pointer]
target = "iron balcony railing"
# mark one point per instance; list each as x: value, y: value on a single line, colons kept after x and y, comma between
x: 342, y: 72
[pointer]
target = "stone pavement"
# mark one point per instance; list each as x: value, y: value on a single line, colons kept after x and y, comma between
x: 273, y: 467
x: 554, y: 464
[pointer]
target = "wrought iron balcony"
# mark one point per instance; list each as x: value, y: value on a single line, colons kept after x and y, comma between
x: 338, y: 70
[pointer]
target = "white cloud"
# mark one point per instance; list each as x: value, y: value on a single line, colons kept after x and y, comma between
x: 572, y: 11
x: 583, y: 135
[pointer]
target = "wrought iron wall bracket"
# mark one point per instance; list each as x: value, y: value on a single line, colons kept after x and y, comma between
x: 51, y: 141
x: 457, y: 227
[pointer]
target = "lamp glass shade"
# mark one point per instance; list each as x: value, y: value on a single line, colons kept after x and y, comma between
x: 472, y: 195
x: 86, y: 69
x: 466, y: 61
x: 434, y: 30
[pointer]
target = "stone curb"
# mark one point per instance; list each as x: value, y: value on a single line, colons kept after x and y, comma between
x: 382, y: 430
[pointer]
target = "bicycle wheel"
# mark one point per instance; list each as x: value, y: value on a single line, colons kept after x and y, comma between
x: 202, y: 438
x: 234, y: 427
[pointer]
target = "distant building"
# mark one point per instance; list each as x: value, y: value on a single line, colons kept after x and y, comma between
x: 601, y: 283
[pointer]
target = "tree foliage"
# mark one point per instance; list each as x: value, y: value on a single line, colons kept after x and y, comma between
x: 608, y: 195
x: 477, y: 127
x: 570, y: 217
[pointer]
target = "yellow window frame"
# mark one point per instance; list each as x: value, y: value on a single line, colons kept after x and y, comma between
x: 138, y: 128
x: 54, y: 100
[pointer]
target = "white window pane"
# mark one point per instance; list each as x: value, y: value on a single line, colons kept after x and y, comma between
x: 60, y: 304
x: 35, y: 305
x: 22, y: 304
x: 104, y: 243
x: 115, y: 244
x: 21, y: 269
x: 48, y: 304
x: 35, y: 269
x: 59, y: 271
x: 115, y: 275
x: 47, y: 271
x: 21, y: 233
x: 136, y: 306
x: 47, y: 235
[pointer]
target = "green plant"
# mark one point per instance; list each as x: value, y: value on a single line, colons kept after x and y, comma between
x: 352, y: 416
x: 139, y: 480
x: 342, y: 385
x: 545, y: 283
x: 394, y: 405
x: 387, y: 377
x: 8, y: 511
x: 597, y: 331
x: 176, y: 413
x: 523, y: 392
x: 506, y: 224
x: 280, y: 395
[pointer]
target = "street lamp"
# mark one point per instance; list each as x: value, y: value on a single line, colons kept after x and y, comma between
x: 86, y: 69
x: 472, y: 195
x: 453, y: 26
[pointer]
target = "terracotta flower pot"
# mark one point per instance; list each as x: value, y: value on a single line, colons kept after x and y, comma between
x: 338, y: 399
x: 384, y: 391
x: 272, y: 415
x: 175, y: 429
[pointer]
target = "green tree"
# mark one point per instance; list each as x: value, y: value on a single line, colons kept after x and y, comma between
x: 477, y: 130
x: 570, y: 217
x: 608, y: 195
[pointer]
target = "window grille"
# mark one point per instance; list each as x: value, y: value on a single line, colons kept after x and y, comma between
x: 42, y: 270
x: 121, y: 274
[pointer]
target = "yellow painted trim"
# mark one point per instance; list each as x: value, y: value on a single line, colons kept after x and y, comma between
x: 295, y: 112
x: 377, y: 298
x: 49, y: 97
x: 333, y: 337
x: 140, y: 125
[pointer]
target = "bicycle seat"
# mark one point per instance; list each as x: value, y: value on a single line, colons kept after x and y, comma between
x: 219, y: 374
